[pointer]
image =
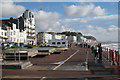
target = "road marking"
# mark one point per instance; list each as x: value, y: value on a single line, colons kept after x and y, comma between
x: 61, y: 63
x: 65, y: 60
x: 42, y: 78
x: 86, y: 61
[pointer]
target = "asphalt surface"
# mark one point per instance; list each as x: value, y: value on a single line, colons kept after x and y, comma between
x: 68, y: 65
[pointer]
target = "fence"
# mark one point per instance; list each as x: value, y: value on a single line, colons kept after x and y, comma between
x: 112, y: 56
x: 15, y: 55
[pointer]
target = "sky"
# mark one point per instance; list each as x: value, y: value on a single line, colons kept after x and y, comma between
x: 98, y: 19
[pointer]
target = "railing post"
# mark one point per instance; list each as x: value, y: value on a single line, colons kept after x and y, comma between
x: 14, y: 55
x: 27, y: 56
x: 109, y: 55
x: 3, y: 57
x: 107, y: 52
x: 19, y: 56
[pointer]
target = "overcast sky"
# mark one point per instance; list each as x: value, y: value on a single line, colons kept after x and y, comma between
x: 99, y: 19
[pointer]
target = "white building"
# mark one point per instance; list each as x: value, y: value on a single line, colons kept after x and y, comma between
x: 29, y: 26
x: 72, y: 39
x: 90, y: 39
x: 3, y: 34
x: 26, y: 25
x: 43, y: 37
x: 23, y: 38
x: 19, y: 30
x: 9, y: 33
x: 83, y: 39
x: 60, y: 36
x: 15, y: 36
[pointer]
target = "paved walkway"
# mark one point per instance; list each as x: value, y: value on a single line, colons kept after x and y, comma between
x: 102, y: 68
x: 66, y: 68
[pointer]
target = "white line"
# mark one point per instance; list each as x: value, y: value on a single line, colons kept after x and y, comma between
x: 65, y: 60
x: 42, y: 78
x: 61, y: 63
x: 86, y: 61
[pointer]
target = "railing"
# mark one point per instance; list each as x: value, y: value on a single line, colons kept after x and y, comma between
x: 14, y: 55
x: 113, y: 58
x: 106, y: 55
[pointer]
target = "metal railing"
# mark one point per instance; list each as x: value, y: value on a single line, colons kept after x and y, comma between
x: 107, y: 55
x: 14, y: 55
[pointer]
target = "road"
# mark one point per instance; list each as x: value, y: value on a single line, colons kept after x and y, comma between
x: 68, y: 65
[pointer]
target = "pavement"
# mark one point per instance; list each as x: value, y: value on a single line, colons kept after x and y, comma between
x: 68, y: 65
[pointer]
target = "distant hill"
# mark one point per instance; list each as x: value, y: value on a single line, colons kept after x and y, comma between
x: 90, y: 37
x: 68, y: 33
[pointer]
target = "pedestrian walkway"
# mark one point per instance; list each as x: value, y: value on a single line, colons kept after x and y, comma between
x: 102, y: 68
x: 63, y: 71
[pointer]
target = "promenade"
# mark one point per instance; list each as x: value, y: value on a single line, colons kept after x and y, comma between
x: 73, y: 64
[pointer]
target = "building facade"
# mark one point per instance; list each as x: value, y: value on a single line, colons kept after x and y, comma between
x: 16, y: 36
x: 21, y: 30
x: 29, y: 26
x: 59, y: 36
x: 43, y: 37
x: 72, y: 39
x: 3, y: 34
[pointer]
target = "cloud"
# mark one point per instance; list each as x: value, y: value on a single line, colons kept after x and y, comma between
x: 102, y: 34
x: 10, y: 9
x: 22, y: 0
x: 82, y: 20
x: 84, y: 10
x: 112, y: 28
x: 47, y: 21
x: 106, y: 17
x: 50, y: 21
x: 66, y: 28
x: 69, y: 0
x: 88, y: 19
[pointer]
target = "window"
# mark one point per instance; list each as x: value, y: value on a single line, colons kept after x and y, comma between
x: 14, y: 32
x: 53, y: 42
x: 63, y: 42
x: 11, y: 39
x: 2, y: 33
x: 17, y: 40
x: 5, y: 34
x: 11, y: 33
x: 32, y: 16
x: 58, y: 42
